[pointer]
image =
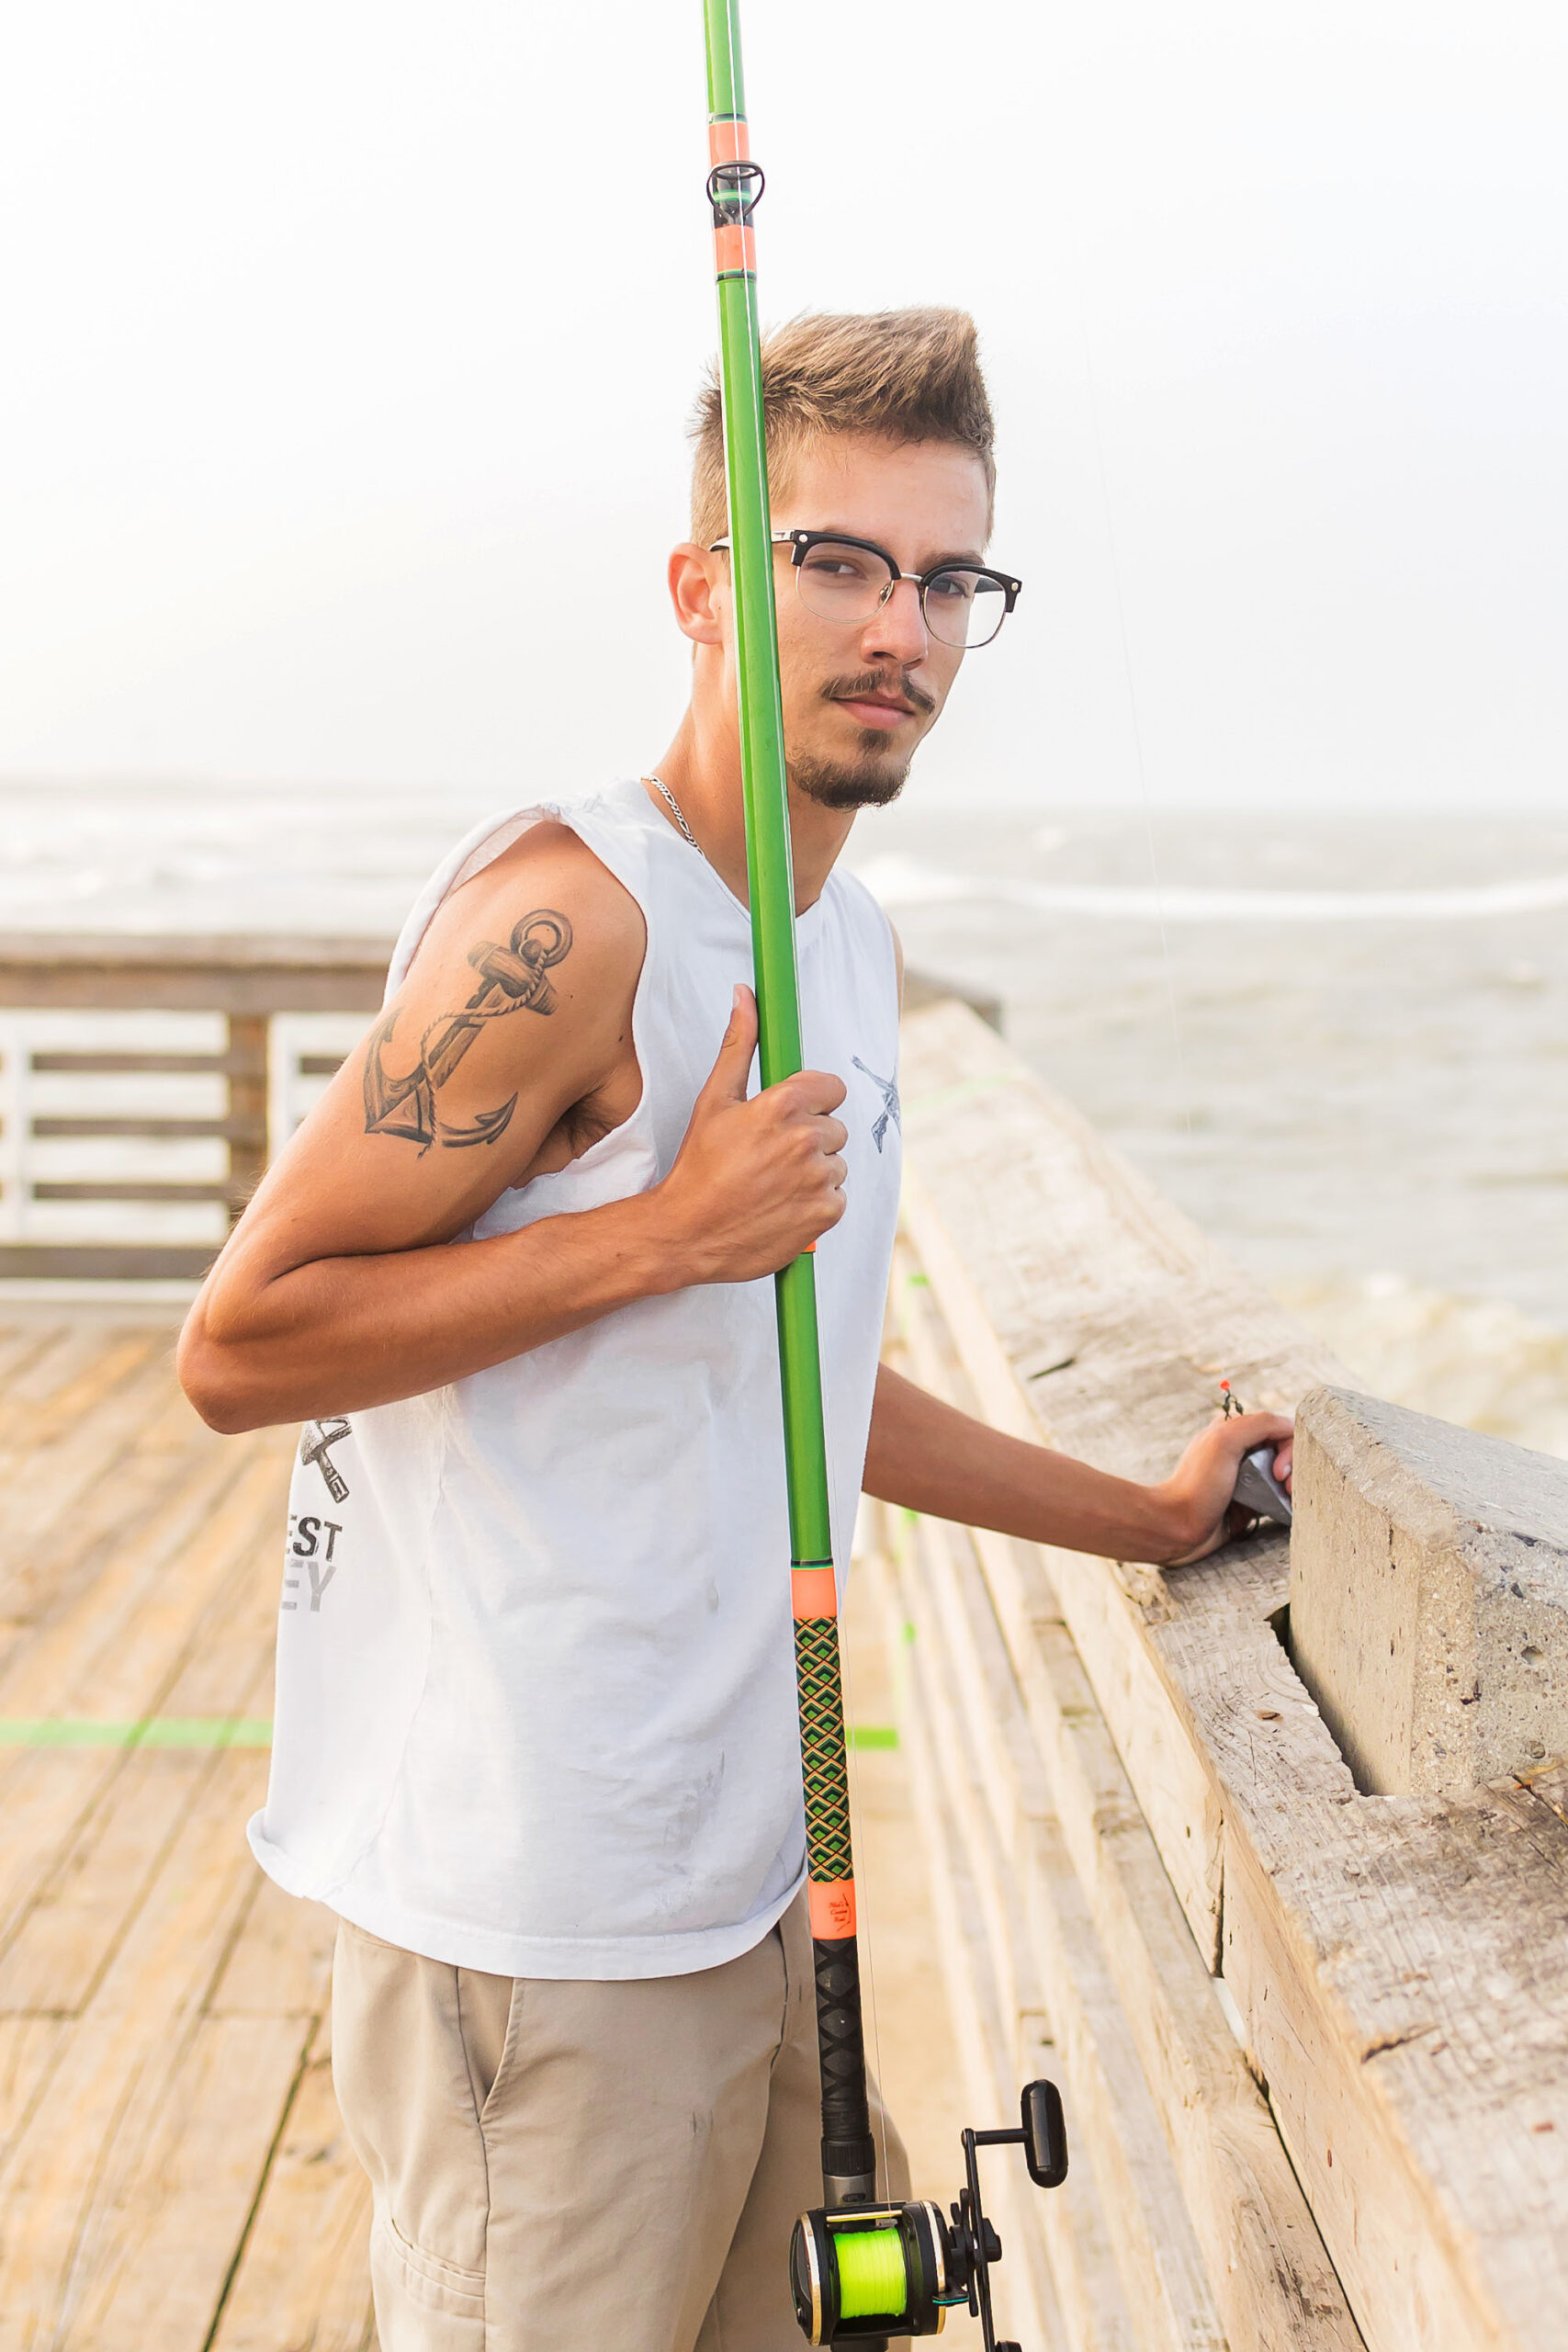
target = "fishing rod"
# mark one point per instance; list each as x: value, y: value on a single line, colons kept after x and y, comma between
x: 859, y: 2270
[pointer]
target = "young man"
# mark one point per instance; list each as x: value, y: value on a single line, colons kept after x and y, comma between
x: 535, y: 1738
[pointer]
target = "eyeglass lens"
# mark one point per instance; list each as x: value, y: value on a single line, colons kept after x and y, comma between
x: 846, y: 583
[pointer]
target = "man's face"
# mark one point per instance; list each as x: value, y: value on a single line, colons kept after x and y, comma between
x: 859, y: 697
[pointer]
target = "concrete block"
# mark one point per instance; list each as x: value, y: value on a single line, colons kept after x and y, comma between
x: 1428, y: 1594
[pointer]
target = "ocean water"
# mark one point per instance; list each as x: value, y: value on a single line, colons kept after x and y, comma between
x: 1342, y: 1046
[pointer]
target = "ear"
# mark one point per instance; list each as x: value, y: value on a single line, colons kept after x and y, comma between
x: 699, y: 591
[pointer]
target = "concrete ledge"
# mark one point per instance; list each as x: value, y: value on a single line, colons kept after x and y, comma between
x: 1429, y: 1595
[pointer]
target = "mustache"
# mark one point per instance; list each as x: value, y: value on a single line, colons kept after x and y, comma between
x: 872, y: 682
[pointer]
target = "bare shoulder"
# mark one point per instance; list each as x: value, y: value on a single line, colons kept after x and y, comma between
x: 547, y: 910
x: 516, y: 1007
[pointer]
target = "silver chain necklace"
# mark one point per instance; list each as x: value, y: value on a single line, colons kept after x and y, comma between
x: 676, y: 810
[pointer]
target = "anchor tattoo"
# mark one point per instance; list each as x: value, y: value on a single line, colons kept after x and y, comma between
x: 513, y: 978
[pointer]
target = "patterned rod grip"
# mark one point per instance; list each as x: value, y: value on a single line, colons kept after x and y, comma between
x: 824, y: 1766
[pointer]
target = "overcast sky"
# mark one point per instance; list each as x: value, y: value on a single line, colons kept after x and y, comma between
x: 349, y: 350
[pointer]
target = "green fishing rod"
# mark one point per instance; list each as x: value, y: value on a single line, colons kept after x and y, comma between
x: 859, y: 2270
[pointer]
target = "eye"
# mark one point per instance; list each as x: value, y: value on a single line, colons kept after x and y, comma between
x: 835, y: 564
x: 952, y: 587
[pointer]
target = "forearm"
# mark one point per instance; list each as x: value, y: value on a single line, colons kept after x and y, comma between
x: 930, y: 1457
x: 340, y: 1334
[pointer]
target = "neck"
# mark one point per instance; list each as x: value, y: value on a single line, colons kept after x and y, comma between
x: 702, y: 768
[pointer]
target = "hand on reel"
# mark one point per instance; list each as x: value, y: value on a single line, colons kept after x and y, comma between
x: 860, y: 2273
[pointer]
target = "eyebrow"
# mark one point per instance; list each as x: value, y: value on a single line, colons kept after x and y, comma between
x: 841, y: 530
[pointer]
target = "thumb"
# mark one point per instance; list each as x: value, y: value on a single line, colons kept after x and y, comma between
x: 732, y: 1069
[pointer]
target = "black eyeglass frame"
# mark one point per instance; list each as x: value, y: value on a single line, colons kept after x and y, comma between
x: 801, y: 543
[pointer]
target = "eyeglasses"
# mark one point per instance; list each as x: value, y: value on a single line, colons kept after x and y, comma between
x: 961, y: 605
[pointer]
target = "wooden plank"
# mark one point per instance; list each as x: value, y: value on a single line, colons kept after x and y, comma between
x: 67, y: 1924
x: 143, y: 1492
x: 59, y: 1448
x: 72, y: 2167
x: 105, y: 1261
x: 1237, y: 2184
x: 1401, y: 1965
x: 1081, y: 2274
x: 29, y: 2051
x: 153, y: 2261
x: 1172, y: 1780
x: 1113, y: 2120
x: 155, y: 1130
x: 81, y: 1369
x: 118, y: 1065
x: 21, y: 1344
x: 281, y: 1962
x: 113, y: 1651
x: 114, y: 1656
x: 303, y: 2280
x: 92, y: 1885
x: 147, y: 1190
x: 1378, y: 1958
x: 173, y: 971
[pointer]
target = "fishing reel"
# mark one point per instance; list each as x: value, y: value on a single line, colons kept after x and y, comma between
x: 862, y: 2273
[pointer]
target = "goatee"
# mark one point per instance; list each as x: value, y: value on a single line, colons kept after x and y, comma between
x: 832, y: 786
x: 875, y: 780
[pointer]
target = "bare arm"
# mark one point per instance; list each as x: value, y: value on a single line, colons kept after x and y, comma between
x: 930, y: 1457
x: 504, y: 1055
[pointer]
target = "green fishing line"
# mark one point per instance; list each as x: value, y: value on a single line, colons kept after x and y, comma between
x: 873, y: 2283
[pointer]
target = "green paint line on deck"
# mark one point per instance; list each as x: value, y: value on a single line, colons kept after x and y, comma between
x: 153, y: 1731
x: 224, y: 1731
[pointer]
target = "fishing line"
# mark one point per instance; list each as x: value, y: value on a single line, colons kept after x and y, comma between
x: 1133, y: 713
x: 901, y: 2264
x: 867, y: 1939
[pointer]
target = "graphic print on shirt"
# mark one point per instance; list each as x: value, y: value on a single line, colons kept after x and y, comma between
x: 888, y: 1090
x: 312, y: 1542
x: 316, y: 1440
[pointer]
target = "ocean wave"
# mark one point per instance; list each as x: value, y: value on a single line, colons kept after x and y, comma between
x: 897, y: 881
x: 1473, y: 1360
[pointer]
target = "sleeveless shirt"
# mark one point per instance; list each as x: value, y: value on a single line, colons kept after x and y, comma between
x: 536, y: 1691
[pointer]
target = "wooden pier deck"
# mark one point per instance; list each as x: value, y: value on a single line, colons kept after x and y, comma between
x: 173, y: 2169
x: 173, y: 2172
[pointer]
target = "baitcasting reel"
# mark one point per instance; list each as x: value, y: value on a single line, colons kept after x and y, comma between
x: 860, y: 2273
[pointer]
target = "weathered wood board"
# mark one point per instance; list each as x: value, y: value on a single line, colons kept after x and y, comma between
x: 1399, y: 1966
x: 170, y: 2161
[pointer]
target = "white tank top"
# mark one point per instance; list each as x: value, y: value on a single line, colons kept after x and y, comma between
x: 535, y: 1687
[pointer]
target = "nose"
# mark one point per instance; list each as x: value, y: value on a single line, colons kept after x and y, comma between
x: 897, y: 630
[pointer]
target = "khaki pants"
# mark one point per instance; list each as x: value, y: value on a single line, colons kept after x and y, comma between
x: 584, y: 2166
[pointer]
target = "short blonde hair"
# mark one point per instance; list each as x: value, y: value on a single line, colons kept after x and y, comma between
x: 906, y: 375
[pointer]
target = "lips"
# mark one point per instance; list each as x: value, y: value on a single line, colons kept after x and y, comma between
x: 874, y: 710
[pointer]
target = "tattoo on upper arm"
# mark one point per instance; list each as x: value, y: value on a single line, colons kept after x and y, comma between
x: 513, y: 978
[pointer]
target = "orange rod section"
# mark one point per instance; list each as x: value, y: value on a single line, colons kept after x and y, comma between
x: 728, y: 141
x: 735, y: 251
x: 831, y: 1904
x: 813, y: 1592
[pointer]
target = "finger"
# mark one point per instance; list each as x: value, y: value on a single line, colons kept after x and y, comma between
x: 833, y: 1135
x: 816, y: 1090
x: 732, y: 1069
x: 1261, y: 1427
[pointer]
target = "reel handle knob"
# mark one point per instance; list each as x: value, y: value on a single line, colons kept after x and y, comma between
x: 1045, y: 2135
